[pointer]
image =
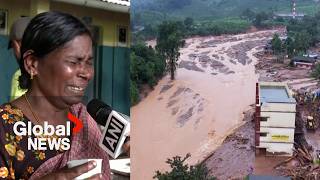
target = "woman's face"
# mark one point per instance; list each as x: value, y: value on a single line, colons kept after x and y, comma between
x: 65, y: 73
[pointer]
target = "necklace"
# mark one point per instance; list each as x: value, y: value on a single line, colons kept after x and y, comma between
x: 30, y: 107
x: 36, y: 117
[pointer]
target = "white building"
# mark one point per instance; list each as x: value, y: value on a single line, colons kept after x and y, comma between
x: 275, y: 118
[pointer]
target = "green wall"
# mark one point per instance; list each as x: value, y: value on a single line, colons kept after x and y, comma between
x: 8, y: 66
x: 113, y: 74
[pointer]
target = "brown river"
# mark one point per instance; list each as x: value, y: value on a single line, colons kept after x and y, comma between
x: 214, y: 85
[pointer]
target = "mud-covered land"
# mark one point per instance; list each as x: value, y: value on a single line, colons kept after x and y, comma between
x: 197, y: 113
x: 234, y: 159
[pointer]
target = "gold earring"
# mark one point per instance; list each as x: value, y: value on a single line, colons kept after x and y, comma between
x: 31, y: 76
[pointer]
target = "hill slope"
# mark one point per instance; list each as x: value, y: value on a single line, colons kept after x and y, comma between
x: 154, y: 11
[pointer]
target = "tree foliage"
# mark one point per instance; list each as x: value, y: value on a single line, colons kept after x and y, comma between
x: 277, y: 45
x: 169, y: 42
x: 304, y: 33
x: 316, y: 72
x: 146, y: 67
x: 248, y: 14
x: 182, y: 171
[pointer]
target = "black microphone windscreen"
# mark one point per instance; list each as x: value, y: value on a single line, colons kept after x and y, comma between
x: 99, y: 111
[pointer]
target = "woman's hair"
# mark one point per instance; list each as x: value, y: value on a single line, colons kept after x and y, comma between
x: 45, y: 33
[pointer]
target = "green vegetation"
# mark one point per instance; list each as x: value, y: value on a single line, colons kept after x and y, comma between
x: 180, y: 171
x: 146, y: 67
x: 153, y: 12
x: 219, y: 27
x: 169, y: 42
x: 277, y: 45
x: 202, y: 28
x: 301, y: 35
x: 316, y: 72
x: 308, y: 28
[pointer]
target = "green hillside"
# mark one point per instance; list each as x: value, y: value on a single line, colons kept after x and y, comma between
x: 155, y: 11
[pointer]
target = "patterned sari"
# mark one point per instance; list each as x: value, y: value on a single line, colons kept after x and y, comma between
x: 84, y: 145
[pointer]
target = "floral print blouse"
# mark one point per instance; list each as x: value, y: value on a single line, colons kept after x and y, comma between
x: 16, y: 161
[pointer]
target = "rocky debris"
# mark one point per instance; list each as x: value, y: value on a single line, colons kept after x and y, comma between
x: 190, y: 66
x: 186, y: 105
x: 192, y: 56
x: 216, y: 65
x: 204, y: 60
x: 235, y: 157
x: 183, y: 118
x: 215, y: 56
x: 301, y: 165
x: 178, y: 92
x: 166, y: 88
x: 239, y: 51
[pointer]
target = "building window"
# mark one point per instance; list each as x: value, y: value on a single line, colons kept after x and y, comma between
x: 3, y: 21
x: 264, y: 119
x: 263, y: 134
x: 122, y: 35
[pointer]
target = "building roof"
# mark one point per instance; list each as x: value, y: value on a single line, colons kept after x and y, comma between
x: 259, y: 177
x: 275, y: 93
x: 110, y: 5
x: 119, y: 2
x: 289, y: 15
x: 303, y: 59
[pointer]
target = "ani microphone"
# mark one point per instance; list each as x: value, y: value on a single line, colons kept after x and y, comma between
x: 116, y: 126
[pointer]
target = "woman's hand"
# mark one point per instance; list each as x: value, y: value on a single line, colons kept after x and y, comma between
x: 71, y: 173
x: 126, y: 148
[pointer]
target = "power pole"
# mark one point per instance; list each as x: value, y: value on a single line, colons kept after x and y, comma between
x: 294, y: 13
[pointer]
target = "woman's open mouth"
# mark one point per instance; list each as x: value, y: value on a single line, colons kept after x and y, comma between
x: 76, y: 89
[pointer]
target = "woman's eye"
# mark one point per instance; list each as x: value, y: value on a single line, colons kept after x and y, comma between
x: 73, y: 62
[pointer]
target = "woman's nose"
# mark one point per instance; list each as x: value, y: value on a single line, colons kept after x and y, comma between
x: 85, y: 71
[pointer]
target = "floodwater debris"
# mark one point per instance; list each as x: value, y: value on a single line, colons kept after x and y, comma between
x: 165, y: 88
x: 190, y: 66
x: 182, y: 119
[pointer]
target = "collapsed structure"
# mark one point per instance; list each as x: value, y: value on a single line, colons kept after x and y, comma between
x: 274, y: 118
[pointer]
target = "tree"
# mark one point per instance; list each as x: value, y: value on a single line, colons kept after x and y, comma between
x: 289, y: 45
x: 276, y: 44
x: 146, y: 67
x: 169, y: 42
x: 316, y: 72
x: 302, y: 41
x: 188, y: 22
x: 184, y: 172
x: 248, y: 14
x: 134, y: 93
x: 259, y: 18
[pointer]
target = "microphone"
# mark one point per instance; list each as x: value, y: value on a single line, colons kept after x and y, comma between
x: 116, y: 126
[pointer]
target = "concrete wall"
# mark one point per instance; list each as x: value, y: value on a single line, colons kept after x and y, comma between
x: 278, y: 147
x: 277, y: 135
x: 108, y: 21
x: 282, y: 107
x: 278, y: 119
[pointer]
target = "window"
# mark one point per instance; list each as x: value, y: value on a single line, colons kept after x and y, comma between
x: 263, y: 134
x: 122, y: 36
x: 3, y: 21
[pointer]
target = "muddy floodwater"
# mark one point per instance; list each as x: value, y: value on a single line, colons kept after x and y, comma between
x: 214, y: 85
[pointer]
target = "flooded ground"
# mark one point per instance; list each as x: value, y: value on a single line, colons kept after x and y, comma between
x: 215, y: 84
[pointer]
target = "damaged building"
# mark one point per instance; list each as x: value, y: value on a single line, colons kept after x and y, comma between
x: 274, y: 118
